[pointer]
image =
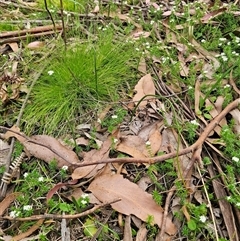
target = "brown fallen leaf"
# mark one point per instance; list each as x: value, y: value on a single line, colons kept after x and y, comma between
x: 35, y: 45
x: 94, y: 155
x: 145, y: 86
x: 45, y: 148
x: 133, y: 199
x: 7, y: 201
x: 212, y: 14
x: 133, y: 146
x: 58, y: 186
x: 31, y: 230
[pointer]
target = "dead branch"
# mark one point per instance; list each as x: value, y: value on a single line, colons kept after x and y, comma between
x: 14, y: 36
x: 59, y: 216
x: 29, y: 31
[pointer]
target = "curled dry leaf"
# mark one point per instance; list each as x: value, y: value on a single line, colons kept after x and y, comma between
x: 35, y: 45
x: 58, y: 186
x: 13, y: 46
x: 133, y: 199
x: 145, y: 86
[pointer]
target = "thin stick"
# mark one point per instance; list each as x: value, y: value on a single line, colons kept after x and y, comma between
x: 63, y: 25
x: 49, y: 13
x: 59, y: 216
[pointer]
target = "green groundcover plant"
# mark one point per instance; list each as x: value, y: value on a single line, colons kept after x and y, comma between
x: 80, y: 79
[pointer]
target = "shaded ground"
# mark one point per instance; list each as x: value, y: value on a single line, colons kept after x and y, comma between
x: 121, y: 125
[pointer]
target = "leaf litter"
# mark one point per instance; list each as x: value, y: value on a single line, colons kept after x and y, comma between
x: 148, y: 131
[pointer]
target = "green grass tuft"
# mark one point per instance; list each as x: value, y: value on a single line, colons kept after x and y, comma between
x: 83, y: 76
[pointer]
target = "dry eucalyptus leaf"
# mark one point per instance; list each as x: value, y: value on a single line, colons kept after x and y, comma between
x: 145, y: 86
x: 133, y: 199
x: 93, y: 156
x: 45, y: 148
x: 35, y: 45
x: 133, y: 146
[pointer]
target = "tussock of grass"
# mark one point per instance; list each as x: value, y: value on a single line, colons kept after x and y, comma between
x: 83, y: 75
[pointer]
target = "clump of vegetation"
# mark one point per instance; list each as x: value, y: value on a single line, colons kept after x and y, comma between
x: 77, y: 80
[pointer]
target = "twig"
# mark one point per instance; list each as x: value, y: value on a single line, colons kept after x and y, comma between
x: 60, y: 216
x: 232, y: 83
x: 16, y: 39
x: 49, y: 13
x: 63, y: 25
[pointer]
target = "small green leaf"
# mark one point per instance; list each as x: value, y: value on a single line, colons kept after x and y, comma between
x: 192, y: 225
x: 207, y: 116
x: 64, y: 207
x: 89, y: 228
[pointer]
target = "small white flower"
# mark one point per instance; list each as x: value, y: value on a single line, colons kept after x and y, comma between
x: 203, y: 218
x: 40, y: 179
x: 85, y: 195
x: 203, y: 40
x: 137, y: 49
x: 148, y: 143
x: 222, y: 39
x: 194, y: 122
x: 27, y: 207
x: 64, y: 168
x: 115, y: 140
x: 99, y: 121
x: 229, y: 198
x: 152, y: 22
x: 14, y: 214
x: 114, y: 116
x: 238, y: 204
x: 235, y: 159
x: 25, y: 174
x: 224, y: 58
x: 228, y: 43
x: 84, y: 202
x: 237, y: 39
x: 190, y: 87
x: 50, y: 72
x: 227, y: 86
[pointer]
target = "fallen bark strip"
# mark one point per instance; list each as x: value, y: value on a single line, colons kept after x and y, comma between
x: 29, y: 31
x: 16, y: 39
x: 195, y: 148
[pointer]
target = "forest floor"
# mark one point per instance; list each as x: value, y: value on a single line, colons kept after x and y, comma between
x: 120, y: 120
